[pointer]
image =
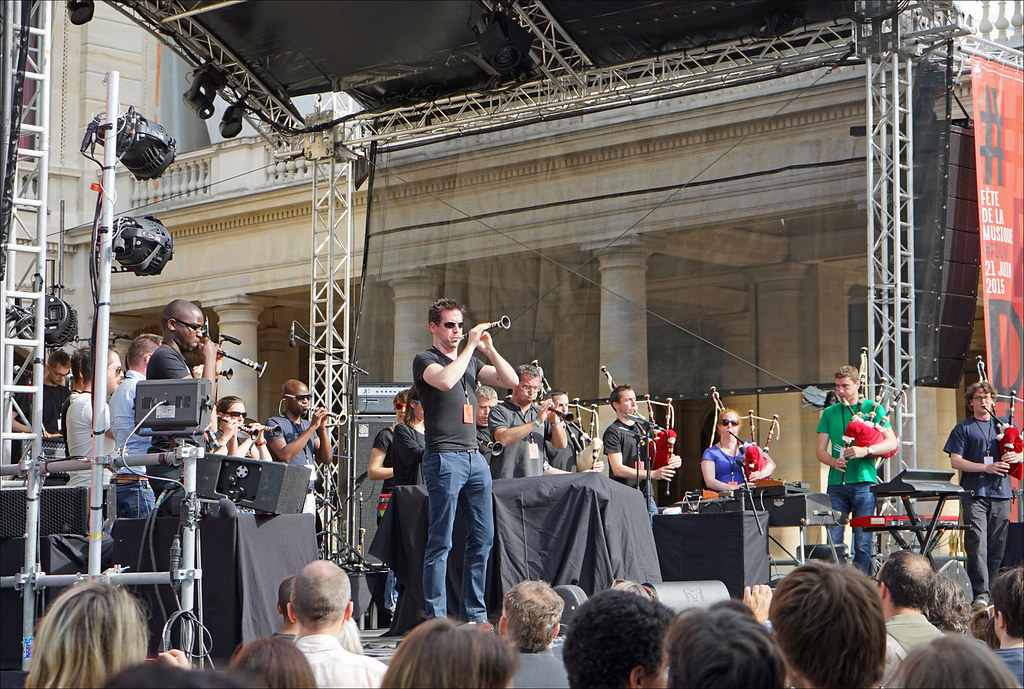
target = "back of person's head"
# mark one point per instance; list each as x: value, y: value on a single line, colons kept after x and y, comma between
x: 1007, y: 591
x: 907, y: 576
x: 161, y: 676
x: 610, y: 635
x: 91, y: 631
x: 948, y: 608
x: 983, y: 627
x: 955, y: 662
x: 631, y: 586
x: 321, y: 593
x: 144, y: 344
x: 277, y: 662
x: 284, y: 596
x: 533, y: 611
x: 828, y: 622
x: 722, y: 647
x: 81, y: 363
x: 438, y: 653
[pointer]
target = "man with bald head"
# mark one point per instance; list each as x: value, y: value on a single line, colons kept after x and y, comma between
x: 302, y: 442
x: 904, y: 582
x: 321, y: 603
x: 183, y: 333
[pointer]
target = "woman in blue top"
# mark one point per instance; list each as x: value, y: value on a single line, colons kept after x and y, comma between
x: 722, y: 463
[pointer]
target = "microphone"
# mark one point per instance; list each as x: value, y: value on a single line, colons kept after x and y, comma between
x: 228, y: 338
x: 291, y: 337
x: 642, y: 420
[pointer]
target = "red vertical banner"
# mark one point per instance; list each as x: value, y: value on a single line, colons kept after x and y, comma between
x: 998, y: 93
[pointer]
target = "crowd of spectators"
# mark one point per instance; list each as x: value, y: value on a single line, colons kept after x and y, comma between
x: 824, y: 625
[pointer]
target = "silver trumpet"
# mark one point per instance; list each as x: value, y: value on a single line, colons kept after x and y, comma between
x: 494, y: 446
x: 504, y: 323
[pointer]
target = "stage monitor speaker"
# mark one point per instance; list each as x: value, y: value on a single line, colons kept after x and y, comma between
x: 62, y: 510
x: 947, y: 252
x: 271, y: 487
x: 367, y: 495
x: 572, y: 598
x: 684, y: 595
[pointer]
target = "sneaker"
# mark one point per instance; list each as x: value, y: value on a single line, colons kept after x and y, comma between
x: 980, y: 602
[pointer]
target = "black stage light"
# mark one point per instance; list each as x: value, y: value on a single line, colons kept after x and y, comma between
x: 142, y: 246
x: 504, y: 44
x: 61, y: 322
x: 231, y: 123
x: 143, y: 146
x: 199, y: 97
x: 80, y: 11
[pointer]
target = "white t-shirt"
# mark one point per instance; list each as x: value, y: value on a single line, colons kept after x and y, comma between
x: 79, y: 429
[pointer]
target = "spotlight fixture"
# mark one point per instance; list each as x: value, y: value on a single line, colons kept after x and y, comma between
x: 142, y: 246
x: 142, y: 146
x: 504, y: 44
x: 199, y: 97
x: 80, y: 11
x: 60, y: 322
x: 231, y: 123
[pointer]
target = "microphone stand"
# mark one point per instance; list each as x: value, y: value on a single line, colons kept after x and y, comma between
x: 745, y: 491
x: 643, y: 440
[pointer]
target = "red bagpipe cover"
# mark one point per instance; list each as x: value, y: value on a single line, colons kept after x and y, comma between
x: 1010, y: 441
x: 754, y: 458
x: 866, y: 433
x: 663, y: 443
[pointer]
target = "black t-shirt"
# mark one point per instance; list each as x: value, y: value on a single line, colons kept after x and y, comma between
x: 382, y: 441
x: 442, y: 409
x: 55, y: 398
x: 407, y: 455
x: 565, y: 459
x: 165, y: 364
x: 514, y: 460
x: 618, y: 437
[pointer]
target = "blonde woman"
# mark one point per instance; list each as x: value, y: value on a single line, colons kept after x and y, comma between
x: 722, y: 463
x: 91, y: 631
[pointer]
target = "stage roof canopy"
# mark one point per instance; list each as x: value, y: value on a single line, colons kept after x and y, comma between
x: 393, y: 54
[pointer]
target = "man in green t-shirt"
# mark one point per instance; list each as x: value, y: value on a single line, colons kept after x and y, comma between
x: 852, y: 467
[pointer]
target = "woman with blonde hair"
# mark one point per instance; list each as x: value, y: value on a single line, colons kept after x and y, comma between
x: 91, y: 631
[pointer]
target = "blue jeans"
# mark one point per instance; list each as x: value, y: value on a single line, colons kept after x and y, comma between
x: 135, y: 499
x: 855, y: 500
x: 457, y: 480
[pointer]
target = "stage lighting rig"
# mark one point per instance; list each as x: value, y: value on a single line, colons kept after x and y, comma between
x: 141, y: 246
x: 504, y: 44
x: 142, y: 146
x: 60, y: 322
x: 80, y: 11
x: 231, y: 123
x: 199, y: 97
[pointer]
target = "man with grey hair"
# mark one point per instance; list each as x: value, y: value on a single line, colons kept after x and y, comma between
x: 904, y: 582
x: 321, y: 603
x: 522, y: 425
x: 530, y: 616
x: 486, y: 399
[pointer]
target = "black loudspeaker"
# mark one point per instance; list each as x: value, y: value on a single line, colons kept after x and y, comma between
x: 62, y: 510
x: 683, y: 595
x: 572, y: 598
x: 731, y: 547
x: 947, y: 251
x: 272, y: 487
x: 366, y: 496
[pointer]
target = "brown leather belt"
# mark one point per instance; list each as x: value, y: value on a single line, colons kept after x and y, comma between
x: 127, y: 478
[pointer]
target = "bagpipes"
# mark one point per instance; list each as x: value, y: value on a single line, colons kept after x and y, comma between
x: 1006, y: 433
x: 587, y: 446
x: 753, y: 455
x: 665, y: 438
x: 864, y: 431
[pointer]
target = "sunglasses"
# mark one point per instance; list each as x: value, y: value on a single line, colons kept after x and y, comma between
x: 727, y: 422
x: 194, y: 326
x: 452, y: 325
x: 300, y: 398
x: 235, y: 414
x: 399, y: 406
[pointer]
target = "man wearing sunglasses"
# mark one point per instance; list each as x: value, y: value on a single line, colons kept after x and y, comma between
x: 183, y: 332
x: 302, y: 442
x: 522, y: 426
x: 454, y: 471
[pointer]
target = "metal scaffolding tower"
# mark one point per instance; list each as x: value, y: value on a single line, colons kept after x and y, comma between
x: 26, y: 143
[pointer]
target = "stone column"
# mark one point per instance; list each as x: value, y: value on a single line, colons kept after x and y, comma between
x: 240, y: 318
x: 624, y: 315
x: 413, y: 296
